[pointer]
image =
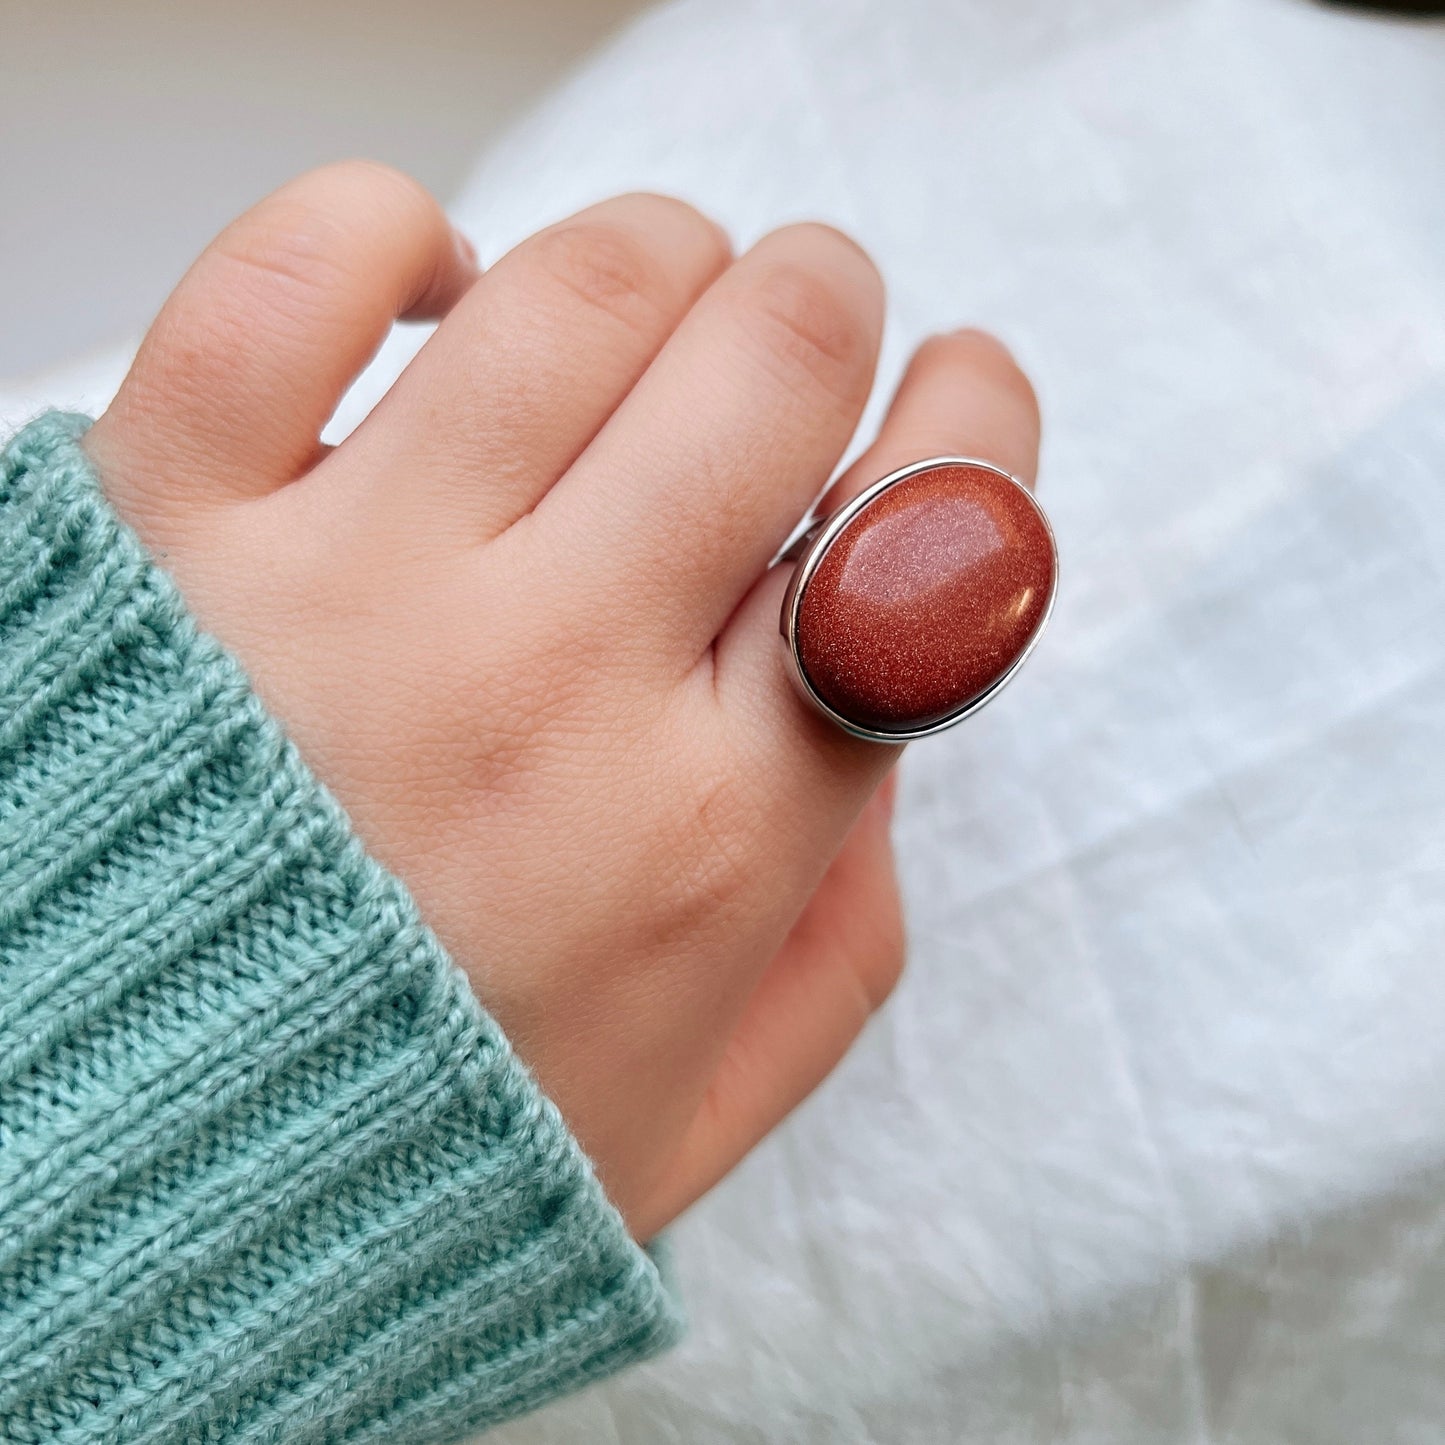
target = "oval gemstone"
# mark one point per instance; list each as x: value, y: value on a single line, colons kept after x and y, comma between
x: 926, y: 598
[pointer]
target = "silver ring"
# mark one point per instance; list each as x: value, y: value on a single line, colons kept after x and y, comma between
x: 913, y: 604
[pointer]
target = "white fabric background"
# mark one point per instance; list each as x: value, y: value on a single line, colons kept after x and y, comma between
x: 1150, y: 1146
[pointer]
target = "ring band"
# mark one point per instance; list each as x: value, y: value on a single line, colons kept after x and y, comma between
x: 914, y: 603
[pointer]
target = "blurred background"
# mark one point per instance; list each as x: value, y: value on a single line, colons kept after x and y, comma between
x: 135, y: 130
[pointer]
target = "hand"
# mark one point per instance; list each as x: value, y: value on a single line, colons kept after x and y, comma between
x: 522, y: 624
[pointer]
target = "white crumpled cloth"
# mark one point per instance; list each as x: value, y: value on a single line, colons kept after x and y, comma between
x: 1150, y: 1146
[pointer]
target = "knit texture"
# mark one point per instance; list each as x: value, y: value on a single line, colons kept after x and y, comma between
x: 267, y: 1170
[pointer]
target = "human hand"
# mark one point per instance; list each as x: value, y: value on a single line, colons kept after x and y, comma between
x: 522, y: 624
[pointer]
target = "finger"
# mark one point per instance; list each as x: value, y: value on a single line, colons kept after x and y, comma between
x: 961, y: 390
x: 696, y: 480
x: 522, y: 375
x: 962, y: 395
x: 251, y: 354
x: 838, y: 965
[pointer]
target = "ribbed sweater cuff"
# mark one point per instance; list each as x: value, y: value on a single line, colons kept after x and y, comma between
x: 267, y: 1170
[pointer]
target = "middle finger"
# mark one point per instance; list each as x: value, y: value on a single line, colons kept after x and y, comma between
x: 696, y: 480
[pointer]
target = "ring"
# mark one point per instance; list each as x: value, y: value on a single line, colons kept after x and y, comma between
x: 913, y: 604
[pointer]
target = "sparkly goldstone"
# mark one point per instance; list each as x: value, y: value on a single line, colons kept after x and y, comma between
x: 926, y: 598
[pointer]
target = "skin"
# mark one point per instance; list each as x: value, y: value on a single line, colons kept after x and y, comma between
x: 522, y: 622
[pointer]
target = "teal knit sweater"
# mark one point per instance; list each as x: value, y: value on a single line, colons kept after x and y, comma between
x: 267, y: 1170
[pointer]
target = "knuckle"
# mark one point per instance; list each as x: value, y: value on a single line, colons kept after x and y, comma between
x: 604, y: 267
x: 292, y: 247
x: 684, y: 219
x: 318, y: 233
x: 985, y: 354
x: 813, y: 331
x: 369, y: 178
x: 400, y: 198
x: 295, y: 248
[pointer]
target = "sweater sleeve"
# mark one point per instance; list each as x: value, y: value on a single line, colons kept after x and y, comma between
x: 267, y: 1170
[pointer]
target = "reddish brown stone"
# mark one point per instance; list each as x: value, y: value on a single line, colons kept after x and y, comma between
x: 926, y: 598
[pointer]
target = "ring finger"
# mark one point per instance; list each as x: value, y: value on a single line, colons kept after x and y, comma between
x: 962, y: 395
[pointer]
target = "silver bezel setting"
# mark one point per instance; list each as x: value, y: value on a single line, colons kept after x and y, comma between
x: 809, y: 549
